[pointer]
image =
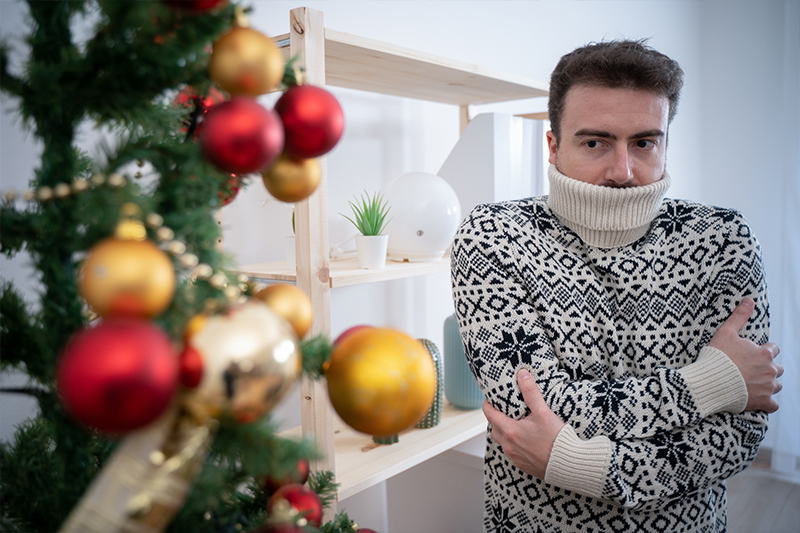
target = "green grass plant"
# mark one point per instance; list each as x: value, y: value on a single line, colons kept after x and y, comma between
x: 370, y: 214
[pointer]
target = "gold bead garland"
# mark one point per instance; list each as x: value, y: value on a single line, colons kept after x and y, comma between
x: 154, y: 221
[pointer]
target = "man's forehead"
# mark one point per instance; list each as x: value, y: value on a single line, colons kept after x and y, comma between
x: 587, y: 102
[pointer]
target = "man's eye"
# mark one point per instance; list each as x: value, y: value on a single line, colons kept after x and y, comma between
x: 643, y: 143
x: 592, y: 144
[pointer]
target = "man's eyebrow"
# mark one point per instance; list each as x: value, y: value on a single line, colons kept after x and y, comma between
x: 587, y: 132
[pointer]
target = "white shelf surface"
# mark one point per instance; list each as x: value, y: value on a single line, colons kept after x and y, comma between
x: 361, y: 463
x: 346, y: 272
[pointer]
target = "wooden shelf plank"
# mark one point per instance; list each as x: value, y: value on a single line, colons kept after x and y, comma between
x: 346, y: 273
x: 361, y: 463
x: 366, y: 64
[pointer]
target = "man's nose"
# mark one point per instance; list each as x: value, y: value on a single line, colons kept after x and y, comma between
x: 620, y: 171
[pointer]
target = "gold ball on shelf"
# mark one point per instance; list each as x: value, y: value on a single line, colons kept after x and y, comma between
x: 251, y: 358
x: 381, y: 381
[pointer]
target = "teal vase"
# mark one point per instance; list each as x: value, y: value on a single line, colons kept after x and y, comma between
x: 460, y: 387
x: 434, y: 414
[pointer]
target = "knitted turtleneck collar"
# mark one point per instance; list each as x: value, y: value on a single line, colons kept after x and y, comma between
x: 605, y: 217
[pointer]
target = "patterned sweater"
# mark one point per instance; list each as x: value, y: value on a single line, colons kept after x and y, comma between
x: 609, y: 298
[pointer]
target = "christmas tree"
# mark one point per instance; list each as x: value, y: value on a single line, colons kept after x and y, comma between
x: 143, y: 426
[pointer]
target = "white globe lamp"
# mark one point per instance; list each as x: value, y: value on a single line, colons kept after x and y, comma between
x: 425, y: 214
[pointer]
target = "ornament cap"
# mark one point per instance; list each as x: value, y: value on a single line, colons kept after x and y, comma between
x: 240, y: 17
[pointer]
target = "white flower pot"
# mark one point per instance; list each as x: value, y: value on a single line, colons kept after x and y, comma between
x: 291, y: 256
x: 371, y: 250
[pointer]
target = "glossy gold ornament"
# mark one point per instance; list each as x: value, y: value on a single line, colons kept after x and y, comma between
x: 381, y: 381
x: 291, y: 303
x: 127, y: 277
x: 292, y: 180
x: 251, y: 358
x: 246, y: 62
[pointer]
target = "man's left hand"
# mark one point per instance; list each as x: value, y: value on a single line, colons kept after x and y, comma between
x: 527, y: 442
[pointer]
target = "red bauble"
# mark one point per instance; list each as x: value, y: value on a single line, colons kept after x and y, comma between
x: 298, y: 475
x: 196, y: 6
x: 348, y: 331
x: 188, y: 98
x: 313, y: 121
x: 117, y: 376
x: 366, y: 530
x: 241, y: 136
x: 191, y: 367
x: 234, y: 185
x: 302, y: 499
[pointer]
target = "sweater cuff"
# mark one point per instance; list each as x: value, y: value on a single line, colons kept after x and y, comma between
x: 715, y: 383
x: 577, y: 464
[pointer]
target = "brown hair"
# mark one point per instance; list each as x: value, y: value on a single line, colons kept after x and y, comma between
x: 618, y: 65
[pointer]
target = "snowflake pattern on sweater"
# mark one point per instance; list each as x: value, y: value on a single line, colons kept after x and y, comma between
x: 609, y: 335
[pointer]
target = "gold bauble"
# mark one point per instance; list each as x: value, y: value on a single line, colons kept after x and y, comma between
x: 127, y: 277
x: 246, y: 62
x: 291, y: 180
x: 291, y: 303
x: 381, y: 381
x: 251, y: 358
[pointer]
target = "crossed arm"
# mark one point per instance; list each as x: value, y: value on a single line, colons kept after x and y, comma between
x: 528, y: 442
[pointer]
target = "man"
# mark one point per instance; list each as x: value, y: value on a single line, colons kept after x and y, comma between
x: 625, y: 309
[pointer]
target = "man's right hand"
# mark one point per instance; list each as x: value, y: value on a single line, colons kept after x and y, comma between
x: 756, y: 363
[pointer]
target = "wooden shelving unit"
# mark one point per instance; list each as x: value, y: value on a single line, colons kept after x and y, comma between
x: 338, y: 59
x: 345, y: 273
x: 360, y: 463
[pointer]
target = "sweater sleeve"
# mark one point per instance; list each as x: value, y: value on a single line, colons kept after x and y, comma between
x: 502, y: 331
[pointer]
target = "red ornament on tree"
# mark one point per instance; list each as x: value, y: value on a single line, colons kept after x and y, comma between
x: 298, y: 475
x: 343, y: 335
x: 117, y: 376
x: 191, y: 367
x: 188, y: 98
x: 295, y: 499
x: 313, y: 121
x: 234, y: 186
x: 196, y: 6
x: 241, y: 136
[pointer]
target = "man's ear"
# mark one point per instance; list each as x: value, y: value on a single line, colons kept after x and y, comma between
x: 552, y: 146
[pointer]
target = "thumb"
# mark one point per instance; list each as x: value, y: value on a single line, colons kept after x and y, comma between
x: 740, y: 315
x: 529, y: 389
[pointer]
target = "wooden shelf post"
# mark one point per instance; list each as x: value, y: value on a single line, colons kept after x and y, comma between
x: 307, y: 43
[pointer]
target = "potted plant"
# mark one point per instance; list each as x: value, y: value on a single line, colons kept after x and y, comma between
x: 370, y: 220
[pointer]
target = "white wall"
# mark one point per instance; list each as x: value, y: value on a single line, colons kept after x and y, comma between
x: 734, y: 141
x: 750, y: 136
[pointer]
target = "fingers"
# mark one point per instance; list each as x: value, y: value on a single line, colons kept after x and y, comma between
x: 529, y: 389
x: 773, y: 348
x: 740, y: 315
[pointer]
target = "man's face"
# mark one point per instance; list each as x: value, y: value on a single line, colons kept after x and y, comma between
x: 612, y: 137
